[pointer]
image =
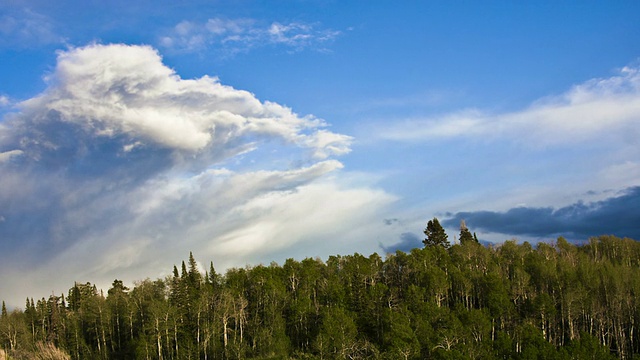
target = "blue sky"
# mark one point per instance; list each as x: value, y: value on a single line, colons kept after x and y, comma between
x: 248, y: 132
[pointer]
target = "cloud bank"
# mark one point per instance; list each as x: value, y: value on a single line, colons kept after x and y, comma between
x: 619, y: 215
x: 121, y: 167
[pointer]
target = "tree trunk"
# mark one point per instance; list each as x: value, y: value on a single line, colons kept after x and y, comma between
x: 158, y: 338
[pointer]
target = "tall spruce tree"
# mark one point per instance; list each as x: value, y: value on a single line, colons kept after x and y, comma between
x: 435, y: 234
x: 194, y: 278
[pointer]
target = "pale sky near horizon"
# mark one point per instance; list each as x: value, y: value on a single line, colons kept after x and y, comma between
x: 254, y: 131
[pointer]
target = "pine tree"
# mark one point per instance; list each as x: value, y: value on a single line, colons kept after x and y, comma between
x: 435, y: 234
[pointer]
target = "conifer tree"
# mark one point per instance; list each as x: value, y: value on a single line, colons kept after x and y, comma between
x: 435, y: 234
x: 465, y: 234
x: 183, y: 271
x: 213, y: 277
x: 193, y: 275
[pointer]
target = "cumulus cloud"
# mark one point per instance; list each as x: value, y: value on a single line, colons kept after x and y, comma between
x: 237, y: 35
x: 120, y: 167
x: 592, y: 109
x: 119, y: 90
x: 618, y: 215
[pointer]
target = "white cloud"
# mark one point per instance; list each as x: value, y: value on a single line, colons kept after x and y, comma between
x: 231, y: 219
x: 327, y: 143
x: 120, y: 89
x: 123, y: 168
x: 595, y: 108
x: 237, y: 35
x: 320, y: 212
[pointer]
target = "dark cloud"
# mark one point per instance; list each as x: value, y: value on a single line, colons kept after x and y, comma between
x: 408, y: 241
x: 65, y: 183
x: 71, y: 149
x: 618, y: 216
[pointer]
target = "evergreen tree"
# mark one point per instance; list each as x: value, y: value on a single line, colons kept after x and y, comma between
x: 435, y: 234
x: 213, y: 278
x: 194, y: 278
x: 465, y: 234
x: 117, y: 301
x: 183, y: 271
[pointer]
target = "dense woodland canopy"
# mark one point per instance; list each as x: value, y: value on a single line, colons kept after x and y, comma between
x: 466, y: 301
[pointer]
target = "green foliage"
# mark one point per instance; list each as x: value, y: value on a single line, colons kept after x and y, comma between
x: 436, y: 236
x: 338, y: 334
x: 465, y: 235
x: 466, y: 301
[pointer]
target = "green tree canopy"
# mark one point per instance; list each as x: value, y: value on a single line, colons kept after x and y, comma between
x: 435, y: 234
x: 467, y: 301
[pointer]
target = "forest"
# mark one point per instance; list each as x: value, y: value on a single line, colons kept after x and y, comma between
x: 551, y: 300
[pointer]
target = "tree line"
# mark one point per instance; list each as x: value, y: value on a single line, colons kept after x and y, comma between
x: 464, y: 301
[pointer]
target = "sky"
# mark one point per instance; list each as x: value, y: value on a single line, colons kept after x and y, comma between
x: 247, y: 132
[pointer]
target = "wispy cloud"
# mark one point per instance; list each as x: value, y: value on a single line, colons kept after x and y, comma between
x: 25, y: 28
x: 122, y: 159
x: 598, y: 107
x: 7, y: 155
x: 240, y: 35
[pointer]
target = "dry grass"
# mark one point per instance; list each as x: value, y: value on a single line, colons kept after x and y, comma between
x: 50, y: 352
x: 43, y: 351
